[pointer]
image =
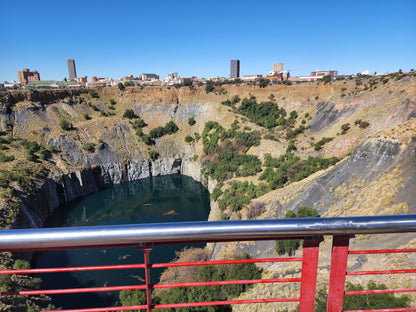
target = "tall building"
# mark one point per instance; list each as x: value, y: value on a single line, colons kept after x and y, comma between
x: 26, y: 75
x: 71, y: 69
x: 278, y: 67
x: 235, y: 69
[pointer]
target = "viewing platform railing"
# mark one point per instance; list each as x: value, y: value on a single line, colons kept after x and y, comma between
x: 145, y: 236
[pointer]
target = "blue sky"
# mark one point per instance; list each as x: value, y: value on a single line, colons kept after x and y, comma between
x: 115, y: 39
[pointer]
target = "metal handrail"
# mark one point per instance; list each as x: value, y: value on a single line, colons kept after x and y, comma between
x: 187, y: 232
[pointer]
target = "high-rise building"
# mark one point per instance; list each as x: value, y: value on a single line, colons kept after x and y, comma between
x: 71, y: 69
x: 278, y: 67
x: 235, y: 69
x: 26, y: 75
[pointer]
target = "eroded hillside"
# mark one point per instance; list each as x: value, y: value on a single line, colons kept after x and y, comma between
x: 345, y: 149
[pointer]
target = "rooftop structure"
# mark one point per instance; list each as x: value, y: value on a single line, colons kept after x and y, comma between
x: 321, y: 73
x: 49, y: 84
x: 251, y: 77
x: 278, y: 67
x: 71, y: 69
x: 148, y: 77
x: 235, y: 69
x: 26, y: 75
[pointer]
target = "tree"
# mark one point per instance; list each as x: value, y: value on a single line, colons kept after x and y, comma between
x: 189, y: 139
x: 326, y: 79
x: 263, y: 83
x: 171, y: 127
x: 187, y: 82
x: 89, y: 147
x: 290, y: 246
x: 364, y: 302
x: 191, y: 121
x: 93, y: 94
x: 129, y: 113
x: 131, y: 297
x: 209, y: 87
x: 121, y: 86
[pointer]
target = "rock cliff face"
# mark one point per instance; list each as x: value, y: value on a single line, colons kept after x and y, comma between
x: 59, y: 190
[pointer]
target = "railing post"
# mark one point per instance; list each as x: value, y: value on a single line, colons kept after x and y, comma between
x: 309, y: 273
x: 147, y: 248
x: 339, y: 259
x: 147, y: 277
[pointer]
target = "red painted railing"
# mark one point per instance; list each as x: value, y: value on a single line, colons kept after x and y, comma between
x: 307, y: 279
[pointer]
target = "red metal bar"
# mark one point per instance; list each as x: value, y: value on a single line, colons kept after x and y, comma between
x: 136, y: 307
x: 378, y: 291
x: 142, y: 266
x: 182, y: 305
x: 212, y: 303
x: 378, y: 251
x: 337, y: 275
x: 385, y: 310
x: 147, y: 275
x: 309, y: 273
x: 217, y: 283
x: 74, y: 269
x: 381, y: 272
x: 179, y: 264
x: 69, y: 290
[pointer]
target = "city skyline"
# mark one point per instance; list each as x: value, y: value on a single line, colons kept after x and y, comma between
x: 197, y: 39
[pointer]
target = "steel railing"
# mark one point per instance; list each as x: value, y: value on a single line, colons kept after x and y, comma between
x: 145, y: 236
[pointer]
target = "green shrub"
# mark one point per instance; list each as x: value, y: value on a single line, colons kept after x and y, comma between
x: 207, y: 273
x: 364, y: 302
x: 65, y: 125
x: 153, y: 155
x: 345, y: 128
x: 171, y: 127
x: 209, y: 87
x: 93, y: 94
x: 263, y: 83
x: 191, y: 121
x: 44, y: 154
x: 226, y: 102
x: 139, y: 132
x: 322, y: 142
x: 189, y: 139
x: 129, y: 113
x: 235, y: 99
x: 111, y: 107
x: 132, y: 297
x: 139, y: 123
x: 157, y: 132
x: 147, y: 139
x: 290, y: 246
x: 197, y: 136
x: 31, y: 156
x: 240, y: 194
x: 86, y: 116
x: 113, y: 102
x: 95, y: 108
x: 362, y: 124
x: 5, y: 158
x: 216, y: 192
x: 89, y: 147
x: 265, y: 114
